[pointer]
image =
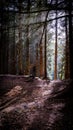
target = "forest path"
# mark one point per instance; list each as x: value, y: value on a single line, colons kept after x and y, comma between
x: 34, y: 105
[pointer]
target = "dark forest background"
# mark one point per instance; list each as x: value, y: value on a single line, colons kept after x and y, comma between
x: 37, y: 35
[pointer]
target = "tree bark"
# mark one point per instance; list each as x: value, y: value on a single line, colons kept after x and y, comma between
x: 67, y: 54
x: 45, y: 55
x: 55, y: 67
x: 37, y: 60
x: 71, y: 39
x: 41, y: 60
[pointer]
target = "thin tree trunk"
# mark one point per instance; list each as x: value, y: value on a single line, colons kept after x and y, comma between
x: 55, y: 69
x: 37, y: 66
x: 45, y: 55
x: 67, y: 54
x: 20, y: 45
x: 41, y: 60
x: 27, y: 51
x: 27, y: 66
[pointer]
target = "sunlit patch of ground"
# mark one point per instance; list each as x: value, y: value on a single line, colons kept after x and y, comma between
x: 14, y: 92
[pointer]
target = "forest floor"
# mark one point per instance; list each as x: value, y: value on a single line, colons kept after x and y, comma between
x: 35, y: 104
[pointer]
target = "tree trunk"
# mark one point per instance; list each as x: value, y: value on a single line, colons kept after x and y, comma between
x: 45, y: 56
x: 27, y: 51
x: 20, y: 44
x: 41, y: 60
x: 55, y: 69
x: 71, y: 39
x: 67, y: 54
x: 37, y: 60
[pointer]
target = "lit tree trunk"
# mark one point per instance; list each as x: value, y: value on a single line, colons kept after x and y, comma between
x: 55, y: 69
x: 37, y: 66
x: 45, y: 56
x: 27, y: 66
x: 27, y: 51
x: 41, y: 60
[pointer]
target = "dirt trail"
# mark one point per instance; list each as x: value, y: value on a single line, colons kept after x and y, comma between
x: 35, y: 104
